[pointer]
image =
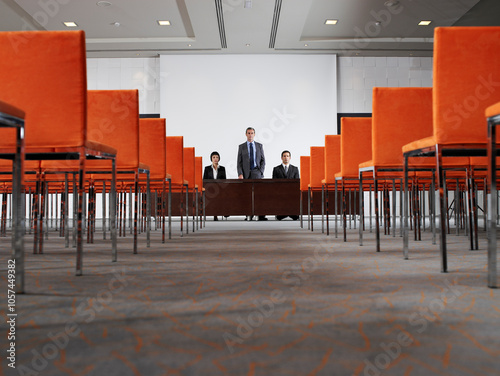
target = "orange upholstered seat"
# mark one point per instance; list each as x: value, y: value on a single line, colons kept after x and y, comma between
x: 332, y: 166
x: 305, y: 172
x: 465, y: 80
x: 317, y: 174
x: 175, y: 159
x: 332, y: 158
x: 44, y: 74
x: 152, y: 150
x: 399, y: 116
x: 356, y: 146
x: 175, y: 168
x: 317, y: 166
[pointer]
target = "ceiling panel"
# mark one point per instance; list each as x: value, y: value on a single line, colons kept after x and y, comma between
x: 196, y: 25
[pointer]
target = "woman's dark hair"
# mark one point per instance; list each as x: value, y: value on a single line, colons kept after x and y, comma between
x: 214, y: 153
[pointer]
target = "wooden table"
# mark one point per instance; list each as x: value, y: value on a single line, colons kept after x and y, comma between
x: 252, y: 197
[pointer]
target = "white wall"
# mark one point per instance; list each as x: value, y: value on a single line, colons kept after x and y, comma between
x: 357, y: 76
x: 290, y: 100
x: 216, y: 117
x: 126, y: 74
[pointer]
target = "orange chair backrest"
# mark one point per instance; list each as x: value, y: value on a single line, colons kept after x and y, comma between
x: 466, y: 80
x: 152, y: 146
x: 198, y: 177
x: 189, y: 166
x: 400, y: 115
x: 44, y: 73
x: 317, y: 166
x: 356, y: 144
x: 332, y: 157
x: 113, y: 119
x: 175, y: 159
x: 305, y: 172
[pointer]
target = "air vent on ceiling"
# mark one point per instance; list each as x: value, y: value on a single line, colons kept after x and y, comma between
x: 220, y: 21
x: 276, y: 20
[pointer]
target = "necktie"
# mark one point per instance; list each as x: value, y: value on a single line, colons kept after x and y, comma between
x: 252, y: 162
x: 286, y: 170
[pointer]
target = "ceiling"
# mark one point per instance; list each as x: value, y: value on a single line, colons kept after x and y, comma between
x: 129, y: 28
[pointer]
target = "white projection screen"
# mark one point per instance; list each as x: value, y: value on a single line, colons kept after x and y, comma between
x: 290, y: 100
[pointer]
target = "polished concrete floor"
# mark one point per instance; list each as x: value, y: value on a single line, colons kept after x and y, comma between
x: 254, y: 298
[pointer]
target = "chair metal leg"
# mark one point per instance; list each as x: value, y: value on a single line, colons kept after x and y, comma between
x: 301, y: 210
x: 66, y: 211
x: 327, y: 203
x: 148, y: 212
x: 136, y: 207
x: 493, y: 206
x: 322, y: 209
x: 18, y: 212
x: 406, y: 230
x: 81, y: 193
x: 335, y: 210
x: 112, y: 212
x: 393, y: 222
x: 104, y: 210
x: 433, y: 223
x: 361, y: 209
x: 344, y: 211
x: 443, y: 209
x: 377, y: 229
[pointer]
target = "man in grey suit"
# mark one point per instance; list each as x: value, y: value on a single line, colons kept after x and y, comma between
x: 286, y: 171
x: 251, y: 161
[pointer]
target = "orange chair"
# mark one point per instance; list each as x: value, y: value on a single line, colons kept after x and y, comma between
x: 332, y: 166
x: 493, y: 117
x: 55, y: 78
x: 113, y: 117
x: 399, y: 116
x: 356, y: 147
x: 471, y: 54
x: 152, y: 152
x: 305, y: 177
x: 317, y: 174
x: 12, y: 117
x: 175, y: 168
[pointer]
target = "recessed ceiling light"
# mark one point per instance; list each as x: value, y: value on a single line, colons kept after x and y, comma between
x: 115, y: 24
x: 331, y: 22
x: 189, y: 45
x: 248, y: 44
x: 103, y: 3
x: 164, y: 23
x: 70, y: 24
x: 424, y: 23
x: 305, y: 45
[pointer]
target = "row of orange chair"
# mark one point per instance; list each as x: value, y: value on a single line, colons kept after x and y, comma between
x: 91, y: 135
x: 444, y: 124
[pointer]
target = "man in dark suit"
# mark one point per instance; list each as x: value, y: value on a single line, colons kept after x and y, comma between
x: 286, y: 171
x: 251, y: 161
x: 214, y: 171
